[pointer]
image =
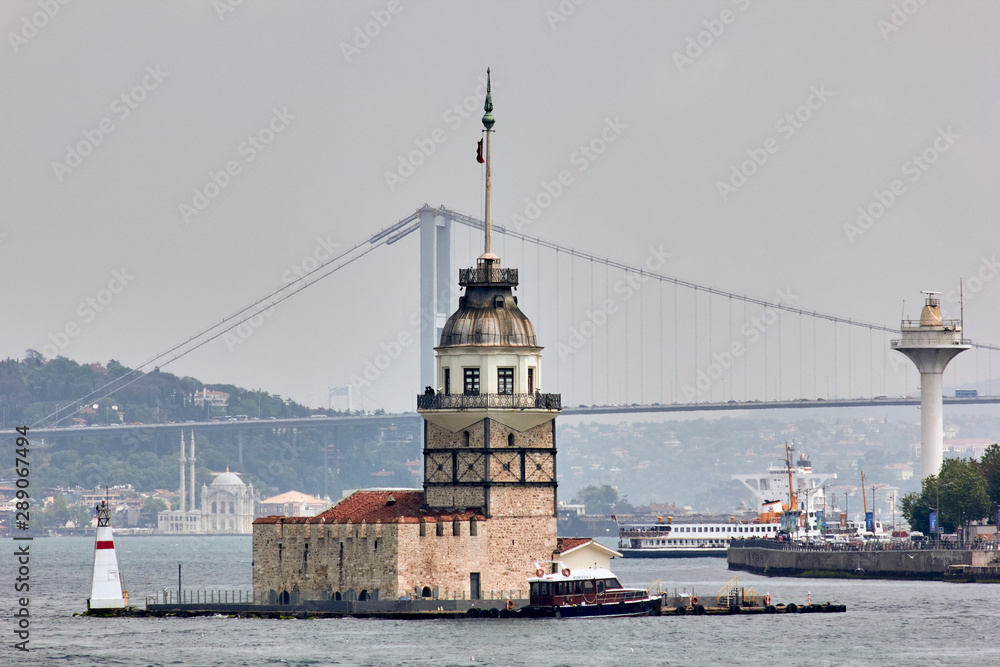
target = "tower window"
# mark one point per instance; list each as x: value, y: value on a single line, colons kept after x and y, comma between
x: 471, y: 381
x: 465, y: 438
x: 505, y: 380
x: 531, y: 380
x: 447, y: 381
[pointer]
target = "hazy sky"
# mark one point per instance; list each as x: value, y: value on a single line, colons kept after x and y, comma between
x: 164, y: 164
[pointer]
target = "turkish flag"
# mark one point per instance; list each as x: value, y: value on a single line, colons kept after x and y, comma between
x: 479, y: 152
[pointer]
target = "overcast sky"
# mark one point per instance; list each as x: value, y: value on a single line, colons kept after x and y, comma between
x: 116, y: 115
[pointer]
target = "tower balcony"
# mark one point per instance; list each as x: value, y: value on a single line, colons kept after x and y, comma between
x: 536, y: 401
x: 487, y: 275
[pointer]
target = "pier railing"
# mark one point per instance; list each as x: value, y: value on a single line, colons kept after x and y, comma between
x: 226, y: 597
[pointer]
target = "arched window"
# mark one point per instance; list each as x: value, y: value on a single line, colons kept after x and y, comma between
x: 473, y: 527
x: 214, y: 510
x: 423, y: 528
x: 465, y: 438
x: 456, y: 527
x: 440, y: 529
x: 363, y: 596
x: 284, y: 598
x: 231, y: 508
x: 510, y: 440
x: 426, y: 593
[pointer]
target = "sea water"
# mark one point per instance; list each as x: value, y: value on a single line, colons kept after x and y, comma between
x: 887, y: 622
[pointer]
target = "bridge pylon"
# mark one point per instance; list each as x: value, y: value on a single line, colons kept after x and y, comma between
x: 437, y: 294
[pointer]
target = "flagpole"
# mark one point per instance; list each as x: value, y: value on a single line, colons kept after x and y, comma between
x: 488, y: 122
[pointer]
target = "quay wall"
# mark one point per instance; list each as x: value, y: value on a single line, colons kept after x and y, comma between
x: 887, y: 564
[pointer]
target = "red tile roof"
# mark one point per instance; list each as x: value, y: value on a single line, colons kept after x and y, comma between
x: 372, y: 506
x: 564, y: 544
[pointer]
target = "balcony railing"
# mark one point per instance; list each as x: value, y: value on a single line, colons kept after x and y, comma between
x: 916, y: 326
x: 483, y: 401
x: 490, y: 276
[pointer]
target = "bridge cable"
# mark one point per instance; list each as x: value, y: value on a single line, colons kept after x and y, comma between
x: 235, y: 319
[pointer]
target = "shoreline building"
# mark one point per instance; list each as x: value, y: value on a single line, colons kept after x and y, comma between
x: 486, y: 516
x: 930, y: 343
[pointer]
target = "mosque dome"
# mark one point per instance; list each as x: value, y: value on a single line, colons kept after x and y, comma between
x: 228, y: 479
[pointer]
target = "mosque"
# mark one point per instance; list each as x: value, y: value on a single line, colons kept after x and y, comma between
x: 227, y: 505
x: 486, y: 516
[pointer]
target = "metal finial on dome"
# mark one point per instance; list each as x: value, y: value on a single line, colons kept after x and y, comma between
x: 488, y: 119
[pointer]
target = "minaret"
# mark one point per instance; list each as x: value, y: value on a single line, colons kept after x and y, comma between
x: 193, y: 485
x: 931, y: 343
x: 183, y: 461
x: 106, y: 584
x: 489, y: 433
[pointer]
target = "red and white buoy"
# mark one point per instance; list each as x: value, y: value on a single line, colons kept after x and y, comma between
x: 106, y: 587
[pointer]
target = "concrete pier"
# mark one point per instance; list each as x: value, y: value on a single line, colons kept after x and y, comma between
x: 928, y: 564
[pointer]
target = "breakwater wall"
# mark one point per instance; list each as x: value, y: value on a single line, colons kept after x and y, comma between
x: 877, y: 564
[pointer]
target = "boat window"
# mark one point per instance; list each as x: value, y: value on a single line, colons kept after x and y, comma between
x: 588, y: 587
x: 612, y: 583
x: 600, y: 585
x: 578, y: 588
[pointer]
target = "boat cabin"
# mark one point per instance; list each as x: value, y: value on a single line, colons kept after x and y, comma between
x: 584, y: 587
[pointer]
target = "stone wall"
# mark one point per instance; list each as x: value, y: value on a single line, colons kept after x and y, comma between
x: 317, y: 558
x: 396, y: 559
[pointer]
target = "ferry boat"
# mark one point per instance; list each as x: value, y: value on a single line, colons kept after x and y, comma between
x: 709, y: 536
x: 695, y: 538
x: 586, y: 592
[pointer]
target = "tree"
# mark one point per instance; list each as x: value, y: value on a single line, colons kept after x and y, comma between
x: 963, y: 493
x: 990, y: 465
x: 149, y: 514
x: 602, y: 500
x: 81, y: 516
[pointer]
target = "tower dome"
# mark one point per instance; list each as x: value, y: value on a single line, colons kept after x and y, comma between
x: 488, y: 314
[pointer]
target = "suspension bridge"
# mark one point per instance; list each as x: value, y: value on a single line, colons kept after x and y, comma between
x: 625, y: 338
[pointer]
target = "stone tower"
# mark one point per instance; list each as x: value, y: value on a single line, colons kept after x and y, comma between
x: 489, y: 432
